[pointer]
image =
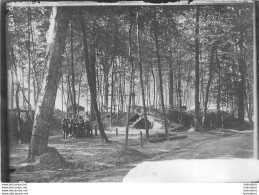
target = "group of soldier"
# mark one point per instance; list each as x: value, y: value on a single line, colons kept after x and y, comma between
x: 75, y: 127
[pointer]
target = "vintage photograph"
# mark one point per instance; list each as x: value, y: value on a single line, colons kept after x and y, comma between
x: 131, y: 93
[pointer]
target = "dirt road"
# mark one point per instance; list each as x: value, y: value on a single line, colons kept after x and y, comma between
x: 97, y: 162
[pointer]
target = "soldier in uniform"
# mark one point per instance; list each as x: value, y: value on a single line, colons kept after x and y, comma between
x: 76, y: 127
x: 88, y: 128
x: 64, y: 128
x: 73, y: 124
x: 69, y: 124
x: 81, y: 128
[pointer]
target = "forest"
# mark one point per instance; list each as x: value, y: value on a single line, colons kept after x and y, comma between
x: 111, y: 60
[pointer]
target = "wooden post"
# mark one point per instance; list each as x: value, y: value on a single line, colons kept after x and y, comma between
x: 141, y: 139
x: 116, y: 131
x: 95, y: 131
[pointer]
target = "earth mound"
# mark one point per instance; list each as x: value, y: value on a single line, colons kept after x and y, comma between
x: 52, y: 159
x: 126, y: 155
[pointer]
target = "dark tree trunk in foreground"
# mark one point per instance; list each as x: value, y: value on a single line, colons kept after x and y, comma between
x: 156, y: 32
x: 79, y: 92
x: 72, y: 69
x: 131, y: 78
x: 46, y: 102
x: 29, y: 58
x: 197, y: 76
x: 141, y: 78
x: 209, y: 80
x: 90, y: 70
x: 62, y: 92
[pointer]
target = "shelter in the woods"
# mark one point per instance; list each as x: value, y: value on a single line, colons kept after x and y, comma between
x: 151, y: 123
x: 135, y: 116
x: 70, y: 109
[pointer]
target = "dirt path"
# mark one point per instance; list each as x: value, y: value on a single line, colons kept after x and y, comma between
x: 93, y: 161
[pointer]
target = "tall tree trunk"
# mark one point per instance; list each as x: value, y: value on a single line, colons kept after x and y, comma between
x: 209, y: 81
x: 112, y: 91
x: 90, y: 70
x: 179, y: 91
x: 156, y: 32
x: 242, y: 85
x: 201, y: 79
x: 131, y: 77
x: 34, y: 89
x: 106, y: 80
x: 62, y: 92
x: 171, y: 78
x: 70, y: 96
x: 219, y: 91
x: 112, y: 82
x: 45, y: 107
x: 141, y: 77
x: 197, y: 77
x: 154, y: 83
x: 29, y: 58
x: 72, y: 67
x: 133, y: 92
x: 121, y: 91
x: 249, y: 101
x: 79, y: 91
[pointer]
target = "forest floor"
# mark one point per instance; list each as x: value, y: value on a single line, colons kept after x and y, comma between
x: 90, y: 160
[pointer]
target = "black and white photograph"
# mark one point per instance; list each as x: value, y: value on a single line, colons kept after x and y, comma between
x: 131, y: 92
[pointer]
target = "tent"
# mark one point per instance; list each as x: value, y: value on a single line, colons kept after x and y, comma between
x: 134, y: 117
x: 152, y: 124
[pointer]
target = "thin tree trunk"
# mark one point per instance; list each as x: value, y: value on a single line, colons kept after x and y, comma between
x: 90, y: 68
x: 249, y: 102
x: 121, y: 91
x: 45, y: 107
x: 154, y: 83
x: 34, y: 89
x: 156, y: 32
x: 29, y: 58
x: 171, y: 78
x: 112, y: 83
x: 79, y: 91
x: 112, y: 91
x: 197, y: 77
x: 69, y: 92
x: 219, y: 92
x: 131, y: 77
x: 209, y: 81
x: 72, y: 68
x: 242, y: 85
x: 141, y: 78
x: 133, y: 92
x: 179, y: 91
x: 62, y: 91
x: 106, y: 81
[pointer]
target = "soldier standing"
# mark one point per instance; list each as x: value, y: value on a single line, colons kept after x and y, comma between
x: 64, y: 128
x: 73, y: 124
